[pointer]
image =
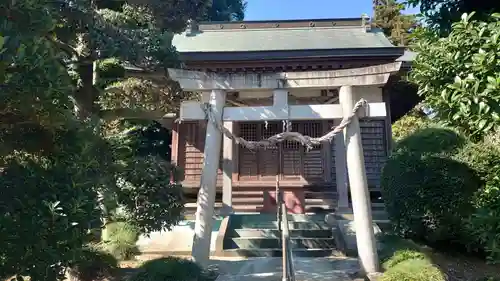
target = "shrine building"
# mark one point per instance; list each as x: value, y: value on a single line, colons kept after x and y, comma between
x: 302, y: 65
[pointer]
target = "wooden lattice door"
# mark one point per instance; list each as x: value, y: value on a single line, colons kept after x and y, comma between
x: 297, y: 164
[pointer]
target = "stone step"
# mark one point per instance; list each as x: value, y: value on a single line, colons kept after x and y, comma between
x: 270, y: 268
x: 260, y: 200
x: 271, y: 243
x: 274, y: 233
x: 277, y: 276
x: 277, y: 252
x: 292, y: 225
x: 377, y: 215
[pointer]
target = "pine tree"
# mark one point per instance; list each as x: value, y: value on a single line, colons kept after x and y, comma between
x: 396, y: 26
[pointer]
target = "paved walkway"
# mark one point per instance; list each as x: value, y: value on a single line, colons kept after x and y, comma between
x: 270, y: 269
x: 177, y: 241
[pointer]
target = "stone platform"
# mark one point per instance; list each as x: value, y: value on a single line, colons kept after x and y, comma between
x: 270, y: 269
x: 176, y: 242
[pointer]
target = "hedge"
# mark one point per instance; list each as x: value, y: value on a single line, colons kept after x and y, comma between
x: 441, y: 187
x: 428, y: 194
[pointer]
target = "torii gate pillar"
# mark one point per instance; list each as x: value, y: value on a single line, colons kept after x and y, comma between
x: 206, y: 194
x: 361, y: 205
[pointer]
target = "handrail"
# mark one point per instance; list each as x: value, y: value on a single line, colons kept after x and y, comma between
x: 288, y: 270
x: 282, y: 220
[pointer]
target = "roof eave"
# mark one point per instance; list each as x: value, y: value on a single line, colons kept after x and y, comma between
x: 386, y: 52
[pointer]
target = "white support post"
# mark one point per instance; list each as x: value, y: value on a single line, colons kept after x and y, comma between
x: 227, y: 170
x: 280, y: 99
x: 341, y: 173
x: 206, y: 195
x: 365, y: 238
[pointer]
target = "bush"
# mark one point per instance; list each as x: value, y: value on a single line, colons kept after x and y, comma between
x: 404, y: 260
x: 484, y: 158
x: 171, y: 269
x: 401, y: 256
x: 121, y: 240
x: 94, y: 265
x: 393, y: 244
x: 417, y: 182
x: 409, y: 124
x: 413, y: 270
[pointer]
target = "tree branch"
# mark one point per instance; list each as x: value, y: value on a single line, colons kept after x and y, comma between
x: 127, y: 113
x: 63, y: 46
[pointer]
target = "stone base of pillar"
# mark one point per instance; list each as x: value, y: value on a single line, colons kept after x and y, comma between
x: 343, y: 210
x: 226, y: 210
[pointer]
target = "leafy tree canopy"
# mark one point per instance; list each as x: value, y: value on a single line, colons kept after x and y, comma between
x: 396, y: 25
x: 440, y: 14
x: 458, y: 76
x: 226, y: 10
x: 54, y: 164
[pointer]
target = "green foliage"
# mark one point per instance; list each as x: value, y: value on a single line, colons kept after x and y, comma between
x: 47, y: 231
x: 458, y: 75
x: 150, y: 200
x: 109, y: 71
x: 439, y: 15
x: 139, y: 94
x: 170, y: 269
x: 93, y: 265
x: 431, y: 140
x: 417, y: 182
x: 143, y: 184
x: 55, y: 165
x: 154, y: 139
x: 393, y: 244
x: 121, y: 240
x: 409, y: 124
x: 226, y: 10
x: 484, y: 224
x: 413, y: 270
x: 52, y: 165
x: 404, y: 260
x: 122, y: 231
x: 396, y: 25
x: 425, y: 169
x: 489, y: 279
x: 401, y: 256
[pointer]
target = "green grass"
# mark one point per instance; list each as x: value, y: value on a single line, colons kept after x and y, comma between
x: 121, y: 242
x: 403, y: 260
x: 413, y: 270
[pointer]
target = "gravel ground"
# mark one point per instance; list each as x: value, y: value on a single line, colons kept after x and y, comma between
x: 462, y: 268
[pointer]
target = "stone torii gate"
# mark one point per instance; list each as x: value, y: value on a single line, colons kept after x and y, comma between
x: 214, y: 86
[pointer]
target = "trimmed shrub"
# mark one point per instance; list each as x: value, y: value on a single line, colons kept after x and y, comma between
x: 489, y: 279
x: 484, y: 158
x: 404, y: 260
x: 434, y: 140
x: 409, y: 124
x: 428, y: 194
x: 94, y: 265
x: 121, y: 241
x: 401, y: 256
x: 413, y: 270
x: 171, y: 269
x: 396, y: 250
x: 392, y: 244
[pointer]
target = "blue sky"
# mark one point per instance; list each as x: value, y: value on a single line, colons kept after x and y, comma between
x: 307, y: 9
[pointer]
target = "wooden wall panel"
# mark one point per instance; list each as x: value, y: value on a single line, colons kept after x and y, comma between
x: 191, y: 156
x: 313, y: 160
x: 374, y: 140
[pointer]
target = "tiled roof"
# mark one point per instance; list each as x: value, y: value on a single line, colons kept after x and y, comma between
x: 255, y: 38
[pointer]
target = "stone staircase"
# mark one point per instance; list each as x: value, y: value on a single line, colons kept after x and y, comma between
x: 306, y: 269
x: 257, y: 235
